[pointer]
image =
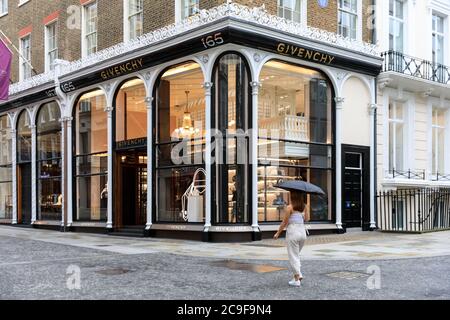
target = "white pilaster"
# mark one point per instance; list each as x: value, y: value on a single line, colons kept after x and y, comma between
x: 109, y: 111
x: 208, y: 159
x: 14, y: 175
x: 33, y: 174
x: 339, y: 105
x: 62, y: 121
x: 69, y: 175
x: 254, y: 154
x: 372, y: 112
x: 149, y: 103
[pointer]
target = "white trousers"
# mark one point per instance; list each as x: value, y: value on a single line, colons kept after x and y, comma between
x: 295, y: 238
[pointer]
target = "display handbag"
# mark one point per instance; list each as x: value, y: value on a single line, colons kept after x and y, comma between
x: 192, y: 200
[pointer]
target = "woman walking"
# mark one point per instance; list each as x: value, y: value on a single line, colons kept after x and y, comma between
x: 294, y: 220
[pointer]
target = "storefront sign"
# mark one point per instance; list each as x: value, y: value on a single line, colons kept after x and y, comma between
x: 133, y: 143
x: 305, y: 54
x: 122, y: 69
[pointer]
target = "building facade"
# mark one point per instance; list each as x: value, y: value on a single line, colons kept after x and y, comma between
x: 184, y: 131
x: 413, y: 115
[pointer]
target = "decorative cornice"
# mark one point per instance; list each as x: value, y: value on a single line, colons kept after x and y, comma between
x: 256, y: 15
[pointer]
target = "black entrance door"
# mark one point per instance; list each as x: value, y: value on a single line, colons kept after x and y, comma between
x: 356, y: 187
x: 133, y: 189
x: 25, y: 193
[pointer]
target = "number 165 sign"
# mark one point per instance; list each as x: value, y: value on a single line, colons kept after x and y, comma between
x: 213, y: 40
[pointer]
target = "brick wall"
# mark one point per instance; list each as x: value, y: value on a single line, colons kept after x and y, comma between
x: 157, y: 13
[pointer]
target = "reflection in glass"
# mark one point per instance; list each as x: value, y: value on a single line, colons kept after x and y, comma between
x: 24, y: 138
x: 131, y: 111
x: 49, y: 162
x: 91, y: 157
x: 5, y: 169
x: 295, y: 138
x: 232, y: 119
x: 179, y: 142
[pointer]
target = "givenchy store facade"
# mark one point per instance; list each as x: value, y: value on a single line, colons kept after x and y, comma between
x: 188, y: 134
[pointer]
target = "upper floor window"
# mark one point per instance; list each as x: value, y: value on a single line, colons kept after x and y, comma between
x: 3, y: 7
x: 396, y: 25
x: 438, y: 39
x: 348, y: 18
x: 51, y: 46
x: 396, y: 136
x: 90, y: 28
x: 134, y: 15
x: 189, y: 8
x: 25, y: 59
x: 290, y: 9
x: 438, y: 141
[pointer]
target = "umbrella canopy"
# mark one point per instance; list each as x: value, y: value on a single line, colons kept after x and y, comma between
x: 300, y: 186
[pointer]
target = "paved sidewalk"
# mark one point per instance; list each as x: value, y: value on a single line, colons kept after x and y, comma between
x: 350, y: 246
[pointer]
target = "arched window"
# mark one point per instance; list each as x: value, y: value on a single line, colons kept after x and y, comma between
x: 49, y: 162
x: 24, y: 167
x: 232, y: 119
x: 91, y: 157
x: 295, y: 138
x: 131, y: 111
x: 179, y: 141
x: 5, y: 168
x: 24, y: 138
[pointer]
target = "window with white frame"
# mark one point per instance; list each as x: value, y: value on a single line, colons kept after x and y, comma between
x: 438, y: 39
x: 51, y: 46
x: 290, y: 9
x: 134, y: 15
x: 348, y: 18
x: 438, y: 141
x: 3, y: 7
x: 189, y: 8
x: 25, y: 59
x: 90, y: 28
x: 396, y: 136
x: 396, y: 25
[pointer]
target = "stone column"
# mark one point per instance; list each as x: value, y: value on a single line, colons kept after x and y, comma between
x: 208, y: 158
x: 14, y: 176
x: 149, y: 103
x: 254, y: 159
x: 109, y: 111
x: 33, y: 174
x: 339, y: 105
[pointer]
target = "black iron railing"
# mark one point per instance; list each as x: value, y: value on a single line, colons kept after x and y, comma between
x: 408, y: 174
x: 441, y: 177
x: 415, y: 210
x: 402, y: 63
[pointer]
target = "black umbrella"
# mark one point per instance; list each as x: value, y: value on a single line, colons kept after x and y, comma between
x: 300, y: 186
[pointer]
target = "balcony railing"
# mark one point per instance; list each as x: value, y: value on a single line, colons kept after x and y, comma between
x: 409, y: 174
x: 419, y: 68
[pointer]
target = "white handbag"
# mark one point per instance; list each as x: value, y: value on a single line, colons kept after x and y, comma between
x: 192, y: 200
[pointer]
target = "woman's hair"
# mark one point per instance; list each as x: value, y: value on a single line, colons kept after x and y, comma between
x: 298, y: 201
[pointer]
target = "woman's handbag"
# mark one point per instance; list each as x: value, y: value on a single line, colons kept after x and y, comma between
x: 192, y: 200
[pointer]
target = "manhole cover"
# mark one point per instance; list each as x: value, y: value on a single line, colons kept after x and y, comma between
x: 112, y: 272
x: 347, y: 275
x: 258, y: 268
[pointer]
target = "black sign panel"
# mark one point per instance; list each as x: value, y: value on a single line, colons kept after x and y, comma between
x: 153, y: 59
x: 131, y: 144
